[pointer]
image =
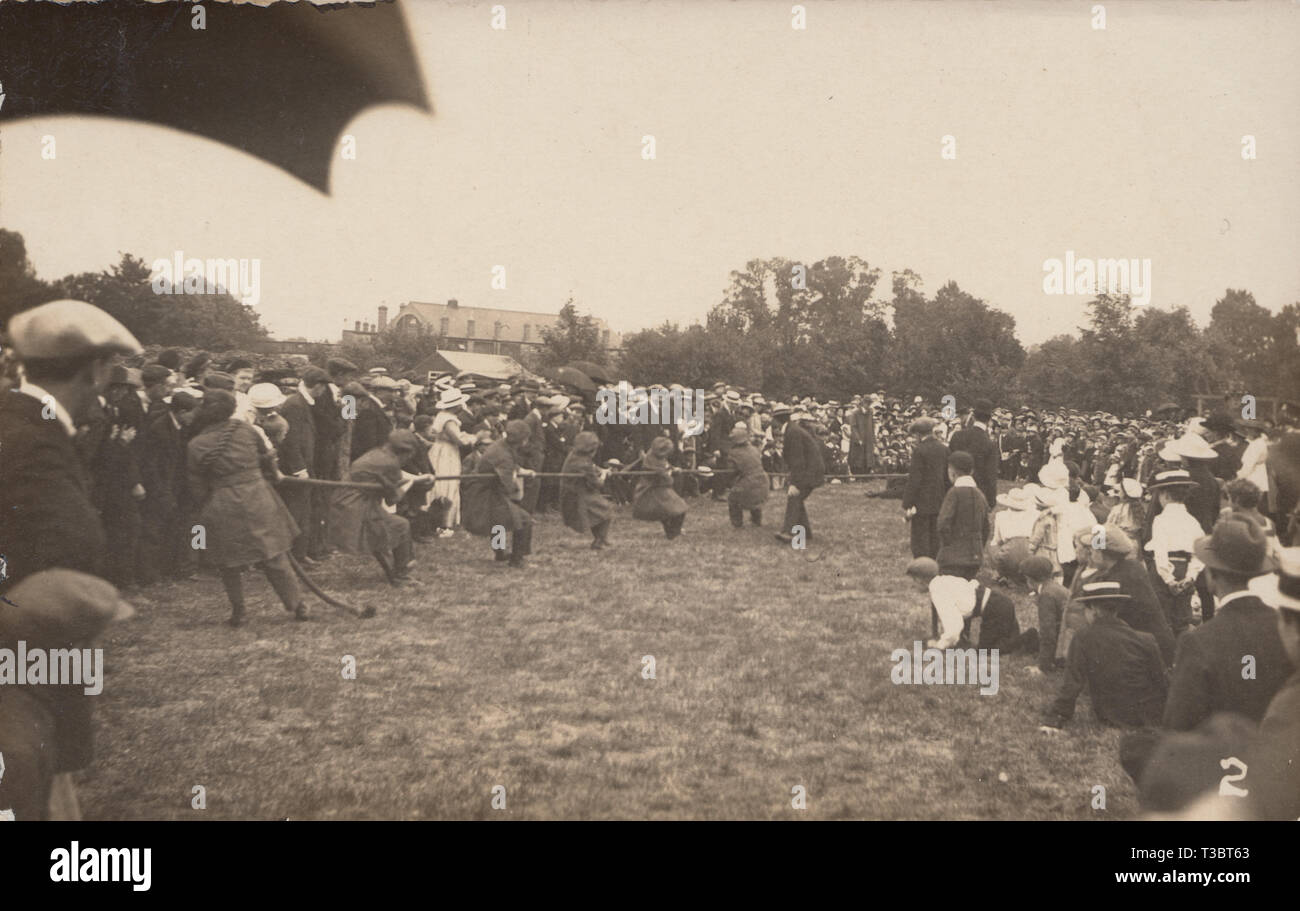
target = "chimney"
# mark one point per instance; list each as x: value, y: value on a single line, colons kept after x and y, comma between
x: 356, y: 325
x: 453, y: 304
x: 383, y: 317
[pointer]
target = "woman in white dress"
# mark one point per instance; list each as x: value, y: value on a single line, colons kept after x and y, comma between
x: 448, y: 438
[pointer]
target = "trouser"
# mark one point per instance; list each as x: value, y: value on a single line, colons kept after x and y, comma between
x: 532, y: 490
x: 319, y: 535
x: 1177, y: 605
x: 925, y: 535
x: 158, y: 552
x: 600, y: 532
x: 278, y: 572
x: 1049, y: 631
x: 402, y: 558
x: 121, y: 518
x: 737, y: 513
x: 673, y: 525
x: 297, y: 499
x: 796, y: 514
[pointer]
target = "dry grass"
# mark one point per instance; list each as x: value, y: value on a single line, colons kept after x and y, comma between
x: 773, y: 670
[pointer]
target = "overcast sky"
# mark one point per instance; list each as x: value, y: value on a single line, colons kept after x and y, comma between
x: 769, y: 141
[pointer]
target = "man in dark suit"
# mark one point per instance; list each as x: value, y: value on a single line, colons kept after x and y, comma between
x: 372, y: 425
x: 805, y: 471
x: 974, y: 438
x: 724, y: 419
x: 534, y: 452
x: 927, y: 482
x: 297, y: 453
x: 1209, y: 674
x: 1120, y: 667
x: 164, y: 537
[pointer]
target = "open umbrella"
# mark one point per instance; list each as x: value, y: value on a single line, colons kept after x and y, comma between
x: 571, y: 377
x: 1168, y: 407
x: 595, y: 371
x: 279, y: 82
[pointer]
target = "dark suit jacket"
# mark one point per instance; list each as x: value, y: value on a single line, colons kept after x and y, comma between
x: 1143, y: 612
x: 1208, y: 666
x: 48, y: 518
x: 927, y: 478
x: 984, y: 451
x: 1122, y: 671
x: 298, y: 448
x: 1203, y: 499
x: 963, y: 527
x: 803, y: 458
x: 370, y: 428
x: 162, y: 464
x: 329, y: 422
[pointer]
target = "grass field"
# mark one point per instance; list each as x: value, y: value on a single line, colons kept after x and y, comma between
x: 772, y: 669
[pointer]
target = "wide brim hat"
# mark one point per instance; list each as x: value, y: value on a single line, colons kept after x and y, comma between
x: 586, y: 443
x: 1281, y: 588
x: 1193, y: 446
x: 738, y: 435
x: 1054, y: 476
x: 451, y: 398
x: 265, y: 395
x: 1016, y: 498
x: 1235, y: 546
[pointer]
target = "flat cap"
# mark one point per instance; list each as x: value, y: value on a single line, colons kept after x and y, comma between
x: 68, y: 328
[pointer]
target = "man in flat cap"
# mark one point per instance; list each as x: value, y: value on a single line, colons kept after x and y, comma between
x: 927, y: 482
x: 65, y: 348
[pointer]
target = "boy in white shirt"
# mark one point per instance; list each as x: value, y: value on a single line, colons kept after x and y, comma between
x: 1174, y: 532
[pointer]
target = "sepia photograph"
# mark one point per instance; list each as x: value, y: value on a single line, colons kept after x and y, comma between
x: 728, y: 410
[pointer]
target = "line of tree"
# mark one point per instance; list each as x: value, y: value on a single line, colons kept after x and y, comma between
x: 213, y: 322
x: 789, y: 329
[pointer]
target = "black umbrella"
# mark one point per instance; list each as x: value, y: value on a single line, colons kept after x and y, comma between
x: 571, y: 377
x: 279, y: 82
x: 595, y: 371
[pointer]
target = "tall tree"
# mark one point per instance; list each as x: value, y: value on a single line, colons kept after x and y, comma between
x: 20, y: 289
x: 575, y: 337
x: 1240, y: 335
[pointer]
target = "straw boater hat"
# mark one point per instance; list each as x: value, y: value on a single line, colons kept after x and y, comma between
x: 1102, y: 592
x: 1280, y: 589
x: 380, y: 381
x: 451, y: 398
x: 265, y: 395
x: 1176, y: 477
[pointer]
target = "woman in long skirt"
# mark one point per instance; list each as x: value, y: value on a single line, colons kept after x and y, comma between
x: 654, y: 499
x: 448, y: 438
x: 583, y: 503
x: 243, y: 518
